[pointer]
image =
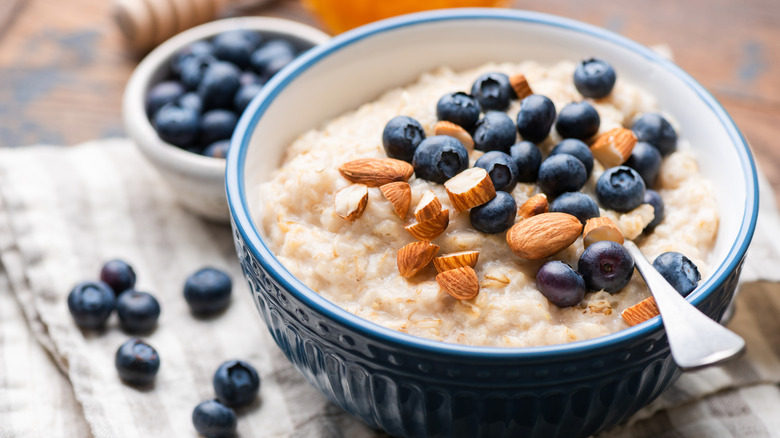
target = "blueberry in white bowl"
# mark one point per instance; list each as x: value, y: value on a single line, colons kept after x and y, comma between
x: 198, y: 179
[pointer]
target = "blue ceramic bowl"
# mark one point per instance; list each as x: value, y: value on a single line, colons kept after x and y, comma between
x: 410, y: 386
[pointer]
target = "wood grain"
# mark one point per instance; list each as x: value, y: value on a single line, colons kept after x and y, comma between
x: 64, y: 65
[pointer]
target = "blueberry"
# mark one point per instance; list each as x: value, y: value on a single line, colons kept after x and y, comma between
x: 244, y: 95
x: 657, y: 131
x: 606, y: 265
x: 218, y: 149
x: 176, y: 124
x: 560, y: 284
x: 192, y: 101
x: 501, y: 168
x: 194, y: 50
x: 578, y: 120
x: 439, y: 158
x: 594, y: 78
x: 248, y: 77
x: 162, y: 93
x: 535, y: 118
x: 137, y: 362
x: 561, y: 173
x: 494, y: 132
x: 193, y: 69
x: 496, y: 215
x: 236, y: 383
x: 679, y: 271
x: 620, y: 188
x: 90, y: 303
x: 493, y: 91
x: 653, y: 198
x: 138, y: 311
x: 219, y: 85
x: 272, y: 57
x: 212, y: 419
x: 528, y: 158
x: 646, y: 160
x: 217, y: 124
x: 576, y: 204
x: 401, y: 136
x: 458, y: 108
x: 207, y: 291
x: 118, y: 274
x: 578, y: 149
x: 235, y: 46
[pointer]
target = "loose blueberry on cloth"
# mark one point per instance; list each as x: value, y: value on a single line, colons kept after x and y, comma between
x: 64, y: 211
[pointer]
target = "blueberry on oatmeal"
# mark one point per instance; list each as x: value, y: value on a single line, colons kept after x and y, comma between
x: 493, y: 91
x: 594, y: 78
x: 439, y: 158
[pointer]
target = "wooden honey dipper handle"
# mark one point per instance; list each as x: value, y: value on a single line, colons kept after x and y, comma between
x: 147, y: 23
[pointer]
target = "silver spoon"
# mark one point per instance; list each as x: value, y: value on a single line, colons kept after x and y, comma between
x: 696, y: 340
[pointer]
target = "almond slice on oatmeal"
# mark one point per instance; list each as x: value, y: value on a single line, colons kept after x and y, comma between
x: 429, y: 229
x: 376, y: 172
x: 470, y: 188
x: 399, y: 194
x: 428, y: 208
x: 613, y: 147
x: 456, y: 260
x: 445, y: 127
x: 520, y: 84
x: 640, y: 312
x: 461, y: 283
x: 414, y: 257
x: 536, y: 204
x: 350, y: 202
x: 601, y: 228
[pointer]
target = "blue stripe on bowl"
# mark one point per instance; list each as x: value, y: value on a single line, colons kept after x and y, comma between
x: 245, y: 225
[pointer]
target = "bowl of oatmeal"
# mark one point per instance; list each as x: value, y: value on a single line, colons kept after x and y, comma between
x: 320, y: 247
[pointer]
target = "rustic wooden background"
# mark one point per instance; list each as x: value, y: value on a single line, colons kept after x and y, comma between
x: 64, y: 64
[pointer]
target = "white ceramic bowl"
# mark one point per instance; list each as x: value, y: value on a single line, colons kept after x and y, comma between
x: 197, y: 180
x: 411, y: 386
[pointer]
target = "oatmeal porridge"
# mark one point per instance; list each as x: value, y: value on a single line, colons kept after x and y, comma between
x: 353, y: 263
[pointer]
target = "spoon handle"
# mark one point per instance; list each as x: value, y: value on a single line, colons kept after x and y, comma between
x: 696, y: 340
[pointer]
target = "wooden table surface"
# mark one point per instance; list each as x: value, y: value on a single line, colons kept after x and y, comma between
x: 64, y: 64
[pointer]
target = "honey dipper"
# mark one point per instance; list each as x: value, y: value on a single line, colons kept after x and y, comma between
x: 147, y: 23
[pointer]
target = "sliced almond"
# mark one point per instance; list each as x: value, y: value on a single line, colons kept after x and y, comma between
x: 428, y: 208
x: 431, y: 228
x: 376, y: 172
x: 543, y: 235
x: 520, y: 84
x: 400, y: 195
x: 640, y: 312
x: 456, y: 260
x: 601, y: 228
x: 470, y: 188
x: 414, y: 257
x: 445, y: 127
x: 350, y: 201
x: 462, y: 283
x: 613, y: 147
x: 536, y: 204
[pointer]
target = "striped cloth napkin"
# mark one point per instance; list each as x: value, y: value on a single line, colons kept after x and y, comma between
x: 64, y: 211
